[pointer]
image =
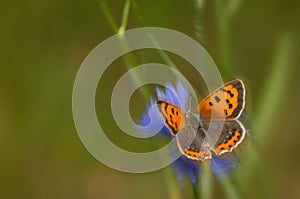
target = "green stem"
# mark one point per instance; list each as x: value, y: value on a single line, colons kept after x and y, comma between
x: 162, y: 53
x: 271, y: 98
x: 223, y: 23
x: 125, y: 16
x: 171, y: 184
x: 205, y: 186
x: 108, y: 15
x: 229, y: 189
x: 137, y: 12
x: 129, y: 59
x: 195, y: 191
x: 277, y: 82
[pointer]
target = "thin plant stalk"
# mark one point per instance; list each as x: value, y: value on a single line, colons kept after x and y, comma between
x: 130, y: 60
x: 173, y: 189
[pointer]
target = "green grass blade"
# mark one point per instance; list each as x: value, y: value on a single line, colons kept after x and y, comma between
x: 172, y: 185
x: 206, y: 182
x: 278, y: 80
x: 108, y: 15
x: 125, y: 16
x: 229, y: 188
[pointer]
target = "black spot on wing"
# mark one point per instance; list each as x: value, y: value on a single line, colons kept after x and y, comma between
x: 229, y: 92
x: 166, y: 107
x: 225, y: 112
x: 217, y: 99
x: 171, y: 119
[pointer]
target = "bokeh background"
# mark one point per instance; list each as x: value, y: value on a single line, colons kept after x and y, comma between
x: 43, y: 44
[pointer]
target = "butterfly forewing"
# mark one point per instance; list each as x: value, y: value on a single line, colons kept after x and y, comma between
x: 226, y: 102
x: 173, y: 116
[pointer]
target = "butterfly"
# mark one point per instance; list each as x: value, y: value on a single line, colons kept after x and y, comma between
x: 218, y: 112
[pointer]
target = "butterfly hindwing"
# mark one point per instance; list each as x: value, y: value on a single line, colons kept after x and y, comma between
x: 232, y: 134
x: 198, y: 148
x: 172, y: 114
x: 227, y: 102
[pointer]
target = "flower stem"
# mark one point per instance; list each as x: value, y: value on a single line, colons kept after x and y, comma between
x: 173, y: 189
x: 129, y: 59
x: 125, y: 16
x: 195, y: 191
x: 205, y: 186
x: 108, y: 15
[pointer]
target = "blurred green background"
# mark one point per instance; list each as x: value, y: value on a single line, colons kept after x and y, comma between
x: 43, y: 44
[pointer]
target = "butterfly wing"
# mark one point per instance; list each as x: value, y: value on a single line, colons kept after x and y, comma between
x: 172, y: 115
x: 198, y: 149
x: 228, y: 102
x: 232, y: 134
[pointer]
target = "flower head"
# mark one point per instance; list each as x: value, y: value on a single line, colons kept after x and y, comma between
x: 179, y: 97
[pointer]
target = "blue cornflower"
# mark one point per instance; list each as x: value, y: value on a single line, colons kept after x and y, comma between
x: 179, y: 97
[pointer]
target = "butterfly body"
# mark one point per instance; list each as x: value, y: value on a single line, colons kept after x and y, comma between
x: 214, y: 127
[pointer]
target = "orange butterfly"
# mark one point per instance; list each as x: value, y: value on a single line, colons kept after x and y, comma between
x: 227, y: 103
